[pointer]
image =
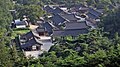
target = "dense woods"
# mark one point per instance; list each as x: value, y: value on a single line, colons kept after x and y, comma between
x: 30, y: 8
x: 111, y: 22
x: 95, y: 49
x: 5, y: 19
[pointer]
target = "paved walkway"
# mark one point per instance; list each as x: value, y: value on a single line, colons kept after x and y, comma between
x: 33, y: 27
x: 46, y: 45
x: 34, y: 54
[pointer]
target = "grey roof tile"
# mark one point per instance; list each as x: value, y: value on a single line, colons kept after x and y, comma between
x: 48, y: 27
x: 31, y: 42
x: 48, y: 9
x: 20, y: 23
x: 28, y: 35
x: 77, y: 25
x: 69, y: 17
x: 58, y: 11
x: 69, y: 32
x: 92, y: 16
x: 94, y: 12
x: 56, y: 19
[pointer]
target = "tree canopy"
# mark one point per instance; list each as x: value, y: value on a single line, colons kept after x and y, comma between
x: 33, y: 12
x: 110, y: 22
x: 30, y: 8
x: 5, y: 19
x: 94, y: 49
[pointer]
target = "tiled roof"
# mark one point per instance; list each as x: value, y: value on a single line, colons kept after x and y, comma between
x: 75, y: 32
x: 56, y: 19
x: 92, y: 16
x: 28, y: 35
x: 18, y: 22
x: 79, y: 6
x: 48, y: 27
x: 31, y: 42
x: 48, y: 9
x: 76, y: 25
x: 69, y: 17
x: 58, y: 11
x: 40, y: 29
x: 94, y: 12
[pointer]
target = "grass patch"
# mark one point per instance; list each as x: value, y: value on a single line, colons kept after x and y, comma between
x: 21, y: 31
x: 17, y: 32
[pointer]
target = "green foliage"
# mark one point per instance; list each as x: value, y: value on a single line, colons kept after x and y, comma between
x: 33, y: 12
x: 96, y: 50
x: 28, y: 2
x: 5, y: 19
x: 31, y: 8
x: 91, y: 3
x: 111, y: 22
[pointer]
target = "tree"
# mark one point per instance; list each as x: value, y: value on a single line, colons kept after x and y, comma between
x: 111, y: 22
x: 28, y: 2
x: 33, y: 12
x: 5, y: 19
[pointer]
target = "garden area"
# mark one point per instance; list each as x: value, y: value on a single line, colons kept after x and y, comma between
x: 17, y: 32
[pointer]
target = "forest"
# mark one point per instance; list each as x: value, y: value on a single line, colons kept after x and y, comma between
x: 98, y: 48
